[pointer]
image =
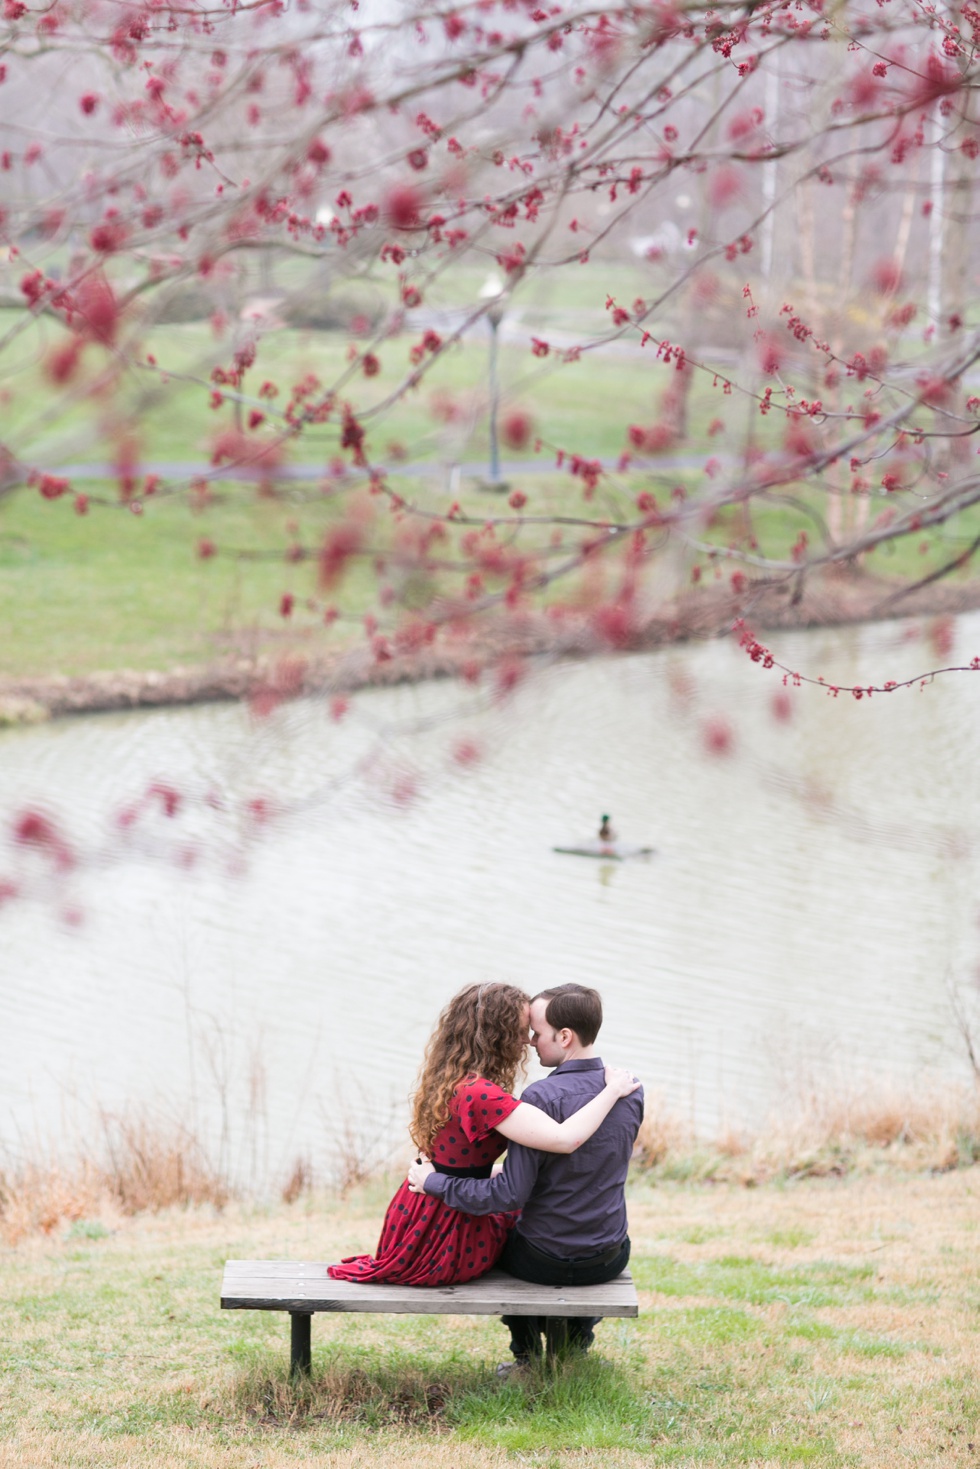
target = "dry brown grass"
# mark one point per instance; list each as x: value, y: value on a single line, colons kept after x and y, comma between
x: 824, y: 1132
x: 893, y: 1379
x: 299, y: 1181
x: 135, y: 1165
x: 663, y: 1134
x: 48, y: 1451
x: 877, y: 1372
x: 138, y: 1164
x: 935, y: 1127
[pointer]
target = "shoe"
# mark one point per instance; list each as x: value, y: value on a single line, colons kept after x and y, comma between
x: 506, y: 1370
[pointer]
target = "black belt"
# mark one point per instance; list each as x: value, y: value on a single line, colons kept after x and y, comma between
x: 482, y: 1170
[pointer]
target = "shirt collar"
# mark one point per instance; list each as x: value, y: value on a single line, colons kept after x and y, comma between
x: 582, y: 1063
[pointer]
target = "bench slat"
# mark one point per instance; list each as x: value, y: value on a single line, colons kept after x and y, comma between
x: 284, y: 1285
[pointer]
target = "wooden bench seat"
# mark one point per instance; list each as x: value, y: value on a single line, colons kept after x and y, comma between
x: 303, y: 1288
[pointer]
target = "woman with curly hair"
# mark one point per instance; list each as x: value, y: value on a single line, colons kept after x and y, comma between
x: 463, y: 1116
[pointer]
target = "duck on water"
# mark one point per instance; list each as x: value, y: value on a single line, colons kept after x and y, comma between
x: 606, y: 845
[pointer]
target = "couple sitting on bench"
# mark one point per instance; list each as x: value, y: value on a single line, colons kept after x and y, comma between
x: 555, y: 1212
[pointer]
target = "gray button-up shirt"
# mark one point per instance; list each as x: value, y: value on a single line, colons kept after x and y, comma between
x: 572, y: 1203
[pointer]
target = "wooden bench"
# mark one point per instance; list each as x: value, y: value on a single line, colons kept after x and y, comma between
x: 303, y: 1288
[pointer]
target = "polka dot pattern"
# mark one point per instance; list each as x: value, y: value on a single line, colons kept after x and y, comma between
x: 423, y: 1241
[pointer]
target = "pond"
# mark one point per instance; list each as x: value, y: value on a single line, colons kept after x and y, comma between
x: 812, y: 904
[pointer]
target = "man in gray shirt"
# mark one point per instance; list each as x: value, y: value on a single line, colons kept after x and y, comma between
x: 572, y: 1229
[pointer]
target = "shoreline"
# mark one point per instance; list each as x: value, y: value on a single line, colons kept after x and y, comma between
x: 840, y: 599
x: 139, y: 1162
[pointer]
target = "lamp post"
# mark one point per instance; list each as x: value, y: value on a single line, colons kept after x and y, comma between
x: 492, y: 292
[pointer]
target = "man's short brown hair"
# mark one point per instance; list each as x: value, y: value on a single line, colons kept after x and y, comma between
x: 573, y: 1007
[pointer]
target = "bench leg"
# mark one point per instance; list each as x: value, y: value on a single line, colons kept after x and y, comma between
x: 300, y: 1348
x: 556, y: 1341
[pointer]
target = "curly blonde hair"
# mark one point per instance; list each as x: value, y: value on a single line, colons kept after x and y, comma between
x: 481, y: 1032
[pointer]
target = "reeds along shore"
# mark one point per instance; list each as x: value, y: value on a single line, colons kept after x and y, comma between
x: 135, y: 1163
x: 127, y: 1166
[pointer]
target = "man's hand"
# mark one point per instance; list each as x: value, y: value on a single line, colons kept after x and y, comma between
x: 418, y: 1173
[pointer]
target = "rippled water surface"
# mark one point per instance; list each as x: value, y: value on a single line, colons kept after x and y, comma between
x: 813, y: 897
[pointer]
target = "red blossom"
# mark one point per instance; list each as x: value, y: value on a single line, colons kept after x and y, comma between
x: 864, y: 89
x: 770, y: 353
x: 338, y: 547
x: 507, y: 675
x: 34, y: 829
x: 168, y: 797
x: 799, y: 439
x: 886, y: 276
x: 718, y: 736
x: 934, y: 390
x: 94, y: 311
x: 34, y: 287
x: 724, y: 186
x: 109, y: 237
x: 614, y: 624
x: 352, y: 435
x: 61, y: 364
x: 230, y: 446
x: 517, y: 428
x: 942, y: 636
x: 402, y: 207
x: 52, y: 487
x: 466, y: 752
x: 939, y: 80
x: 782, y: 706
x: 744, y: 124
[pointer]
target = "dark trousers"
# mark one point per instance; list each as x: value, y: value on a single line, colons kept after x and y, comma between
x: 561, y: 1333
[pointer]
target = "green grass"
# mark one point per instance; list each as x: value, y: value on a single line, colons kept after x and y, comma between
x: 113, y: 1351
x: 583, y: 407
x: 822, y: 1283
x: 112, y: 590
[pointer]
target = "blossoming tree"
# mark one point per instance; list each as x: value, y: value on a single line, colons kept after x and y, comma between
x: 752, y: 222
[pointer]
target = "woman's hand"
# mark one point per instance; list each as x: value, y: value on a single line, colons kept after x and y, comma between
x: 532, y: 1128
x: 621, y: 1080
x: 418, y: 1173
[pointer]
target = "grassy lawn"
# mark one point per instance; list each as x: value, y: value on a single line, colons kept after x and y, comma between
x: 583, y: 407
x: 828, y: 1323
x: 112, y: 590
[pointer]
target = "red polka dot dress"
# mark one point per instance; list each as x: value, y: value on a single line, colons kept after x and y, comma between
x: 425, y: 1242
